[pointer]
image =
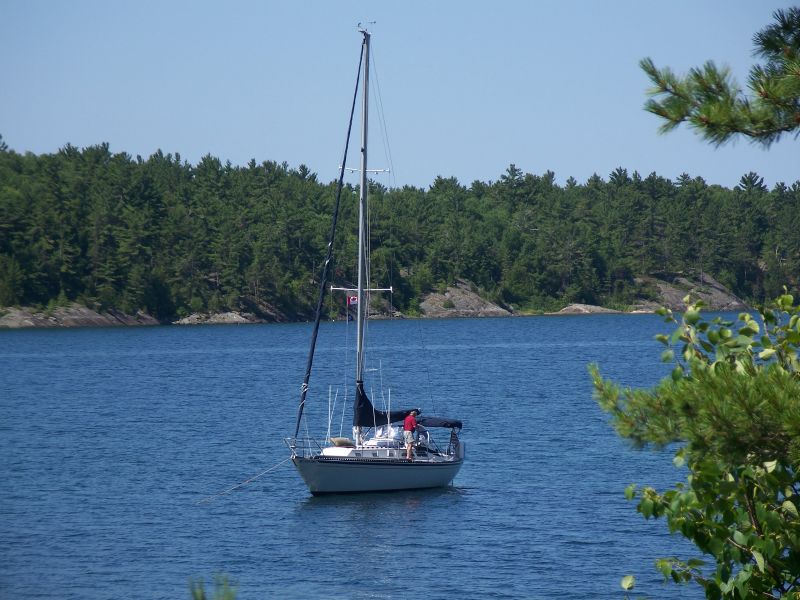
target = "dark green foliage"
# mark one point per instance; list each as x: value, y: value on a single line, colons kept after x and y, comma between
x: 169, y: 238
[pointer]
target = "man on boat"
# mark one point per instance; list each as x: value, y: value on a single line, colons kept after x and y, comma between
x: 409, y: 427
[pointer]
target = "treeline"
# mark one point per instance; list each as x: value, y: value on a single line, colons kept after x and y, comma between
x: 170, y: 238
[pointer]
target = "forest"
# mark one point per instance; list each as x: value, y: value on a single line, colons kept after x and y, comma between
x: 169, y: 238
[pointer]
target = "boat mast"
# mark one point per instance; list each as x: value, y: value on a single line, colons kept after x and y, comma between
x: 362, y: 216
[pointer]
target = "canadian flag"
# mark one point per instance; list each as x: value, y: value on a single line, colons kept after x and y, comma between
x: 352, y: 300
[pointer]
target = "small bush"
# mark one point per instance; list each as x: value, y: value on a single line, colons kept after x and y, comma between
x: 223, y: 589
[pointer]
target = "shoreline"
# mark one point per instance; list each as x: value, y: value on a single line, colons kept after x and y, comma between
x: 76, y: 316
x: 461, y: 300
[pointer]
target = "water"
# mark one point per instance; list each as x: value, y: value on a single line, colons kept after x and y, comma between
x: 110, y: 437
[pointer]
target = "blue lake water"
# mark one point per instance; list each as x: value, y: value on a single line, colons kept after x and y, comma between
x: 109, y: 438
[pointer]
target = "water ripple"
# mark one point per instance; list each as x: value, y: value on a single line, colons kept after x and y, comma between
x: 109, y: 439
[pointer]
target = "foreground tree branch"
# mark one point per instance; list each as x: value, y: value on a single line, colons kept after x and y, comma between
x: 712, y: 103
x: 732, y: 402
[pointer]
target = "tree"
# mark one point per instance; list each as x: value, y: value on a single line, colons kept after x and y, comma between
x: 733, y: 403
x: 11, y: 278
x: 170, y: 238
x: 711, y: 101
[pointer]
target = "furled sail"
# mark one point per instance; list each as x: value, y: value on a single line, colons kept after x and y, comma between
x: 366, y: 415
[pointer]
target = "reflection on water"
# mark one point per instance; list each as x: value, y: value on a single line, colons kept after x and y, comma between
x: 406, y: 499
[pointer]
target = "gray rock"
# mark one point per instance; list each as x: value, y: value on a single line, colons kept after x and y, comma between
x: 584, y: 309
x: 226, y: 318
x: 73, y: 315
x: 673, y: 289
x: 460, y: 301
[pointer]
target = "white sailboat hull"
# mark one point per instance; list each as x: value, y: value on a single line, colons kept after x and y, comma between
x: 324, y: 475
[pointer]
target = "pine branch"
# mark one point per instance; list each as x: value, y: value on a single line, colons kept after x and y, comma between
x: 712, y: 103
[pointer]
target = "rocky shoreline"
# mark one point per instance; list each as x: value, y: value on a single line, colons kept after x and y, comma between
x: 74, y: 315
x: 459, y: 301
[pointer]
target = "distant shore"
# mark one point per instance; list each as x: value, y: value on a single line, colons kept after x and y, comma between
x: 80, y: 316
x: 458, y: 301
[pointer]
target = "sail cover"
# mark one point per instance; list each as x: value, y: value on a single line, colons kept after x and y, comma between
x: 366, y: 415
x: 439, y: 422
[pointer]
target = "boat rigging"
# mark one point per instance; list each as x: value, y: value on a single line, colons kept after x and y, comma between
x: 375, y: 459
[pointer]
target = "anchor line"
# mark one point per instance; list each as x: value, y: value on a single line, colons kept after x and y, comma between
x: 238, y: 485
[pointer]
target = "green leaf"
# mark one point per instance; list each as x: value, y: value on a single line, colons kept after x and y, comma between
x: 694, y: 563
x: 749, y: 330
x: 770, y: 465
x: 665, y: 566
x: 767, y: 353
x: 790, y: 507
x: 759, y: 560
x: 667, y: 356
x: 630, y: 491
x: 692, y: 316
x: 628, y: 582
x: 716, y: 545
x: 740, y: 538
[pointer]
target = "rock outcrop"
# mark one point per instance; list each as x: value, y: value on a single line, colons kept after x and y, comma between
x: 584, y: 309
x: 226, y: 318
x: 73, y: 315
x: 460, y: 301
x: 672, y: 289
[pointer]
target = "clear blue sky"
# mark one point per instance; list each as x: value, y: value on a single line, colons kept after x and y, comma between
x: 468, y: 87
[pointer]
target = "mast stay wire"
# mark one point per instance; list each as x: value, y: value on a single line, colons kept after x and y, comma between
x: 387, y: 148
x: 427, y: 363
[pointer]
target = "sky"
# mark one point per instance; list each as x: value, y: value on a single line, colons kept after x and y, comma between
x: 466, y: 87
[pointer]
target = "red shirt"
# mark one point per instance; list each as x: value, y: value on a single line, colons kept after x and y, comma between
x: 410, y: 423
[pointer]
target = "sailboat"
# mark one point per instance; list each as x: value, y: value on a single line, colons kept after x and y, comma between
x: 376, y: 458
